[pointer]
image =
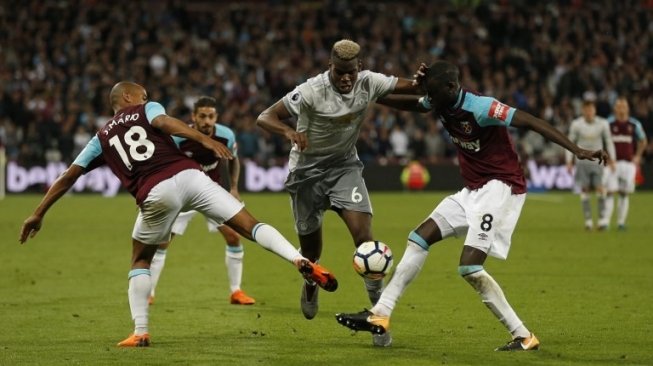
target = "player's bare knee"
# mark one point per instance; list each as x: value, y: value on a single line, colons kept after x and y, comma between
x: 243, y: 222
x: 142, y: 254
x: 471, y: 256
x: 232, y: 239
x: 230, y: 235
x: 360, y: 232
x: 429, y: 231
x: 362, y: 238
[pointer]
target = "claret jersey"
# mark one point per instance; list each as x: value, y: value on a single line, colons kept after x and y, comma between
x: 625, y: 134
x: 478, y: 127
x: 140, y: 155
x: 206, y: 158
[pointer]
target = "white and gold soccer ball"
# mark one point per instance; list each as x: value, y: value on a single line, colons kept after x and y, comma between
x: 373, y: 259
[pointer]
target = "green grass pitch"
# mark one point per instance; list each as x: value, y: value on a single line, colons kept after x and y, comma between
x: 63, y: 296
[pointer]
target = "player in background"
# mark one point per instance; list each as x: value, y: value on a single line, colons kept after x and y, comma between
x: 325, y: 171
x: 485, y: 211
x: 629, y: 142
x: 204, y: 118
x: 137, y: 145
x: 590, y: 132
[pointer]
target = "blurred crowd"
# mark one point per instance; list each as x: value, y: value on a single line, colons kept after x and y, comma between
x: 59, y: 59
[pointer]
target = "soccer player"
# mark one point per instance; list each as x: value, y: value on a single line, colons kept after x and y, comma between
x: 204, y: 118
x: 629, y: 142
x: 590, y: 132
x: 137, y: 145
x: 325, y: 171
x: 485, y: 211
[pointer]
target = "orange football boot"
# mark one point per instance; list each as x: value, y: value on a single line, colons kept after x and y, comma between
x: 239, y: 297
x: 134, y: 340
x: 318, y: 274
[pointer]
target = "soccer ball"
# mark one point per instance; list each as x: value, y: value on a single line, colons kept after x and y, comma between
x: 373, y: 259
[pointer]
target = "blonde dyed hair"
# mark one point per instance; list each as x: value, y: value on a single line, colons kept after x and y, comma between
x: 345, y: 49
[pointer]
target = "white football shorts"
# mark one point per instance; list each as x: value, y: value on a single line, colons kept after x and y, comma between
x: 622, y: 179
x: 187, y: 190
x: 180, y: 225
x: 487, y: 216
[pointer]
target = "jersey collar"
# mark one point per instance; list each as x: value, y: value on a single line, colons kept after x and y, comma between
x: 459, y: 101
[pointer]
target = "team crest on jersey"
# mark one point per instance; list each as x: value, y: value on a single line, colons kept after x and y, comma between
x: 363, y: 98
x: 466, y: 126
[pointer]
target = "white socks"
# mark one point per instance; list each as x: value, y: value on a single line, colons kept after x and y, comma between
x: 407, y: 269
x: 622, y: 209
x: 140, y: 286
x: 156, y: 266
x: 233, y: 259
x: 411, y: 264
x: 609, y: 207
x: 272, y: 240
x: 493, y: 297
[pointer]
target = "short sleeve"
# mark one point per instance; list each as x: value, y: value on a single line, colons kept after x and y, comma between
x: 298, y: 100
x: 89, y: 158
x: 177, y: 140
x: 153, y: 110
x: 488, y: 111
x: 381, y: 85
x: 639, y: 130
x: 227, y: 134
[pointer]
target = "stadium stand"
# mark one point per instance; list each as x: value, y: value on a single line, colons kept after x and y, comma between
x: 58, y: 60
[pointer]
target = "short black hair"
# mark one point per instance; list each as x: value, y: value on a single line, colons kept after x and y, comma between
x: 442, y: 72
x: 205, y: 101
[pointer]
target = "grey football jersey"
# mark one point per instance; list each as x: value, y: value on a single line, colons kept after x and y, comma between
x: 591, y: 136
x: 332, y: 120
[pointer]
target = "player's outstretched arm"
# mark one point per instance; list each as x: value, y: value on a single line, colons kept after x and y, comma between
x: 60, y: 186
x: 234, y: 175
x: 271, y: 121
x: 173, y: 126
x: 411, y: 103
x: 412, y: 86
x: 526, y: 120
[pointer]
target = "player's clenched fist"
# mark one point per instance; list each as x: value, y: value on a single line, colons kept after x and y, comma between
x: 298, y: 138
